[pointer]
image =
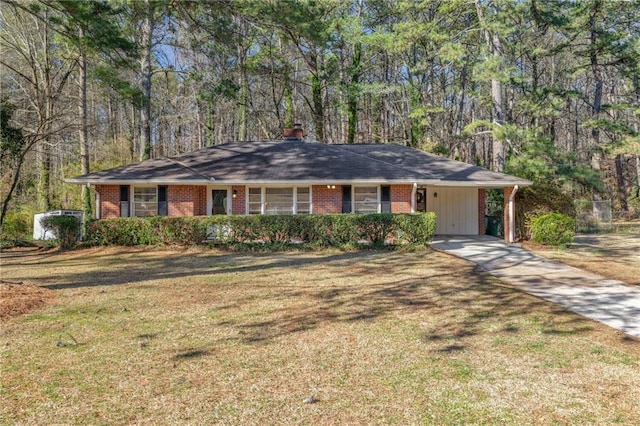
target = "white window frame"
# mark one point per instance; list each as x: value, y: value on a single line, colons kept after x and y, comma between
x: 295, y: 199
x: 132, y: 202
x: 263, y: 190
x: 247, y: 202
x: 353, y: 198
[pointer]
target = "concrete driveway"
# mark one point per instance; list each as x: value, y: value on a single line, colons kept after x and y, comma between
x: 611, y: 302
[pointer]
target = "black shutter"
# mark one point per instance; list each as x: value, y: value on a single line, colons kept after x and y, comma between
x: 385, y: 199
x: 346, y: 199
x: 162, y: 200
x: 124, y: 200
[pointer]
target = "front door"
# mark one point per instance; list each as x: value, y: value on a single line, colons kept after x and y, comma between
x: 421, y: 200
x: 219, y: 205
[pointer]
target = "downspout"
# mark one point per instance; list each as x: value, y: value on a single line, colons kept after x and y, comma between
x: 413, y: 197
x: 512, y: 214
x: 98, y: 205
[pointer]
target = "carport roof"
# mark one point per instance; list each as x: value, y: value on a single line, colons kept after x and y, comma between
x: 300, y: 161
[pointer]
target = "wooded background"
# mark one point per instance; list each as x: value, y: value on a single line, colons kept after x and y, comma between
x: 544, y: 89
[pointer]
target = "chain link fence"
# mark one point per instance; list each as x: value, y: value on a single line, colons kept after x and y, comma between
x: 593, y: 216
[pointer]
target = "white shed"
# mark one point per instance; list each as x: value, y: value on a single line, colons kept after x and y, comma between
x: 42, y: 233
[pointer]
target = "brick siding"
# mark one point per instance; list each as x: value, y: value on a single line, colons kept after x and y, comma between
x: 326, y: 200
x: 482, y: 208
x: 200, y: 208
x: 191, y: 200
x: 183, y: 200
x: 109, y: 200
x: 401, y: 198
x: 505, y: 220
x: 238, y: 204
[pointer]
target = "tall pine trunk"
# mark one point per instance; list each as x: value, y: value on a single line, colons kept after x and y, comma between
x: 146, y: 31
x: 352, y: 94
x: 598, y: 155
x: 316, y: 93
x: 45, y: 115
x: 494, y: 45
x: 82, y: 131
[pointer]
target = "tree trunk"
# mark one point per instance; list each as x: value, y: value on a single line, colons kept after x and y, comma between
x: 289, y: 114
x: 598, y: 155
x: 495, y: 49
x: 82, y: 131
x: 146, y: 31
x: 316, y: 92
x: 621, y: 184
x: 14, y: 183
x: 352, y: 94
x: 243, y: 100
x: 44, y: 118
x: 638, y: 176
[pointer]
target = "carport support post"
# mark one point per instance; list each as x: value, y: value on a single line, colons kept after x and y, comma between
x: 509, y: 220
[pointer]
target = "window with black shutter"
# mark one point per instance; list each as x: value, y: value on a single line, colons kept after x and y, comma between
x: 385, y: 199
x: 124, y: 200
x: 346, y: 199
x: 162, y: 200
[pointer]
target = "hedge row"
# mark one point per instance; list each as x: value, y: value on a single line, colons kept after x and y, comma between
x: 320, y: 230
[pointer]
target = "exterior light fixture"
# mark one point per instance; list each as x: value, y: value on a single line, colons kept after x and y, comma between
x: 235, y: 193
x: 435, y: 195
x: 331, y: 187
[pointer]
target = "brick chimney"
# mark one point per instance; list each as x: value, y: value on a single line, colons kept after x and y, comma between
x: 293, y: 134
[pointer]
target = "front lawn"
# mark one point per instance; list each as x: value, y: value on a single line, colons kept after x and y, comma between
x: 614, y: 256
x: 376, y: 337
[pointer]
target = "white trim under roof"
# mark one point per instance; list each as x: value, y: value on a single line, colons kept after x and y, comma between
x: 142, y: 182
x: 305, y: 182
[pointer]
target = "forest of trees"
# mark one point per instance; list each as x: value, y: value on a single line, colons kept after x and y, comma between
x: 545, y: 89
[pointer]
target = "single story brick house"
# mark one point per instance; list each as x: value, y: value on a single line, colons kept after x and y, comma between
x: 295, y: 176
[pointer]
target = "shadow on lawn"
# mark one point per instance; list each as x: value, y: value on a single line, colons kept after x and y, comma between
x: 462, y: 296
x: 145, y: 267
x: 464, y: 309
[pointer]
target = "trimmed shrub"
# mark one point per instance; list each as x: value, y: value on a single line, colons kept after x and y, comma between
x: 537, y: 200
x: 274, y: 231
x: 65, y: 228
x: 123, y: 232
x: 416, y: 228
x: 554, y: 229
x: 376, y: 227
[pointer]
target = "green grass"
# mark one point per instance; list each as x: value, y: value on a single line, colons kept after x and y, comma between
x: 204, y: 337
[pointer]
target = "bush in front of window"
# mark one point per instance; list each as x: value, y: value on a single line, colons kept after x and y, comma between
x: 178, y: 230
x: 276, y: 231
x: 375, y: 228
x: 130, y: 231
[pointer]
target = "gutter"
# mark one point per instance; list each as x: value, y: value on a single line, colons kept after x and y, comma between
x: 295, y: 182
x: 512, y: 215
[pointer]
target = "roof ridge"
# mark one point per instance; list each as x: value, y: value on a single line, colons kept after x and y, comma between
x: 192, y: 170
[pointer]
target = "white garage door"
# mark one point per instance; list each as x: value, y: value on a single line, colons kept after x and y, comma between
x: 456, y: 209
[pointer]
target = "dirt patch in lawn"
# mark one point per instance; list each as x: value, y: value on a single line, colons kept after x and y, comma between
x: 19, y: 297
x: 614, y: 256
x: 22, y: 298
x: 205, y: 337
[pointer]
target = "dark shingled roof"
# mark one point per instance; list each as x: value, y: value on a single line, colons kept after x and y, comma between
x: 291, y: 161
